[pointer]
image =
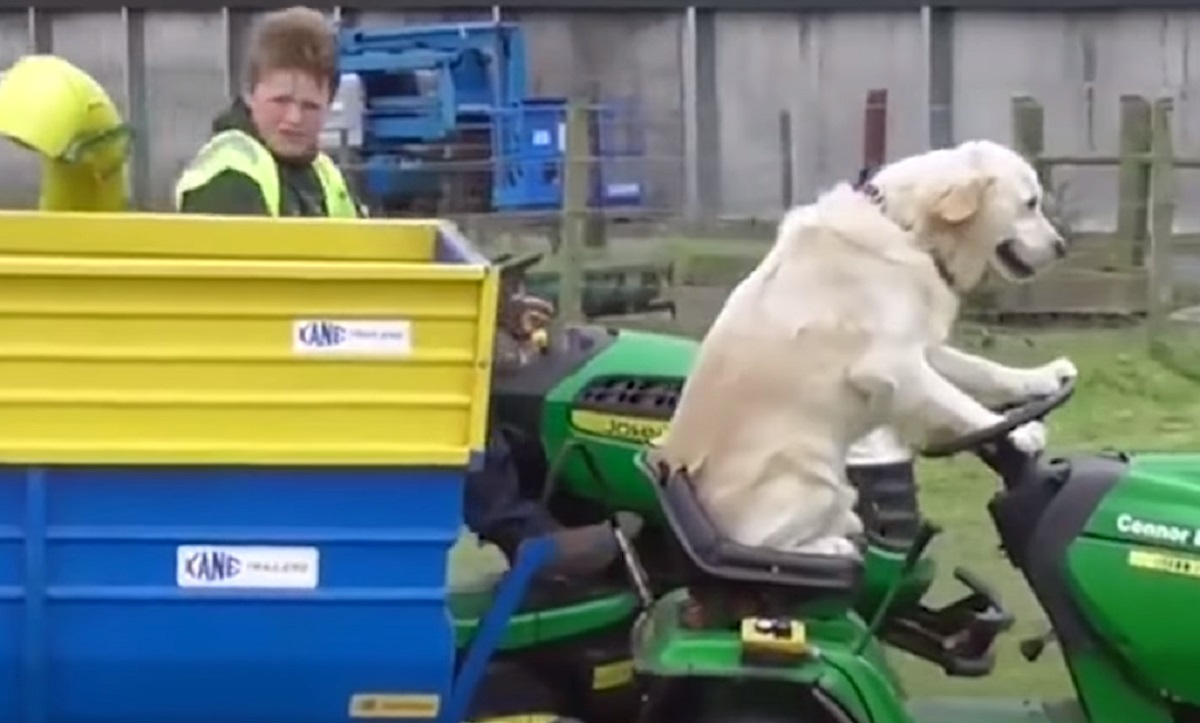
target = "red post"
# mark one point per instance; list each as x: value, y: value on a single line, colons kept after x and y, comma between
x: 875, y: 128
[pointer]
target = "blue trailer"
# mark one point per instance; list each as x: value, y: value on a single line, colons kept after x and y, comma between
x: 237, y: 474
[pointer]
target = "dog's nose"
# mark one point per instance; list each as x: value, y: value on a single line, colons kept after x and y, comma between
x: 1060, y: 248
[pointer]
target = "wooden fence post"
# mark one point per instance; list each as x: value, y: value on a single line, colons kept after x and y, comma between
x: 875, y: 119
x: 576, y: 193
x: 1029, y: 134
x: 1029, y: 139
x: 1162, y: 218
x: 596, y: 235
x: 787, y: 192
x: 1128, y: 246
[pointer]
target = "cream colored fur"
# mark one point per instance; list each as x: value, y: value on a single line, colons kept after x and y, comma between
x: 840, y: 331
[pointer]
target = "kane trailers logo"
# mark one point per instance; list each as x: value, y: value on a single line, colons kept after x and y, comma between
x: 321, y: 334
x: 247, y: 567
x: 212, y: 565
x: 1127, y: 524
x: 215, y: 566
x: 363, y: 337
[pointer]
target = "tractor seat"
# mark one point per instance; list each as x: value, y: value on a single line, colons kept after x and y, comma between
x: 800, y: 577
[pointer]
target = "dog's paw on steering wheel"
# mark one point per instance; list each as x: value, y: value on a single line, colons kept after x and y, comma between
x: 1048, y: 378
x: 1030, y: 437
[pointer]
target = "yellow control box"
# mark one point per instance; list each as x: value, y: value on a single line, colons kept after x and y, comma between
x: 773, y: 639
x: 139, y: 338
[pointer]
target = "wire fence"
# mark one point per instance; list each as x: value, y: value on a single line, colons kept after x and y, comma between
x: 1106, y: 281
x: 704, y: 127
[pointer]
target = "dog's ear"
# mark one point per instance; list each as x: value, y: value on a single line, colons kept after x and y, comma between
x: 962, y: 200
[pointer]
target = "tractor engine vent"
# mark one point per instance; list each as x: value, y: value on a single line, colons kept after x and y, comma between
x: 635, y: 396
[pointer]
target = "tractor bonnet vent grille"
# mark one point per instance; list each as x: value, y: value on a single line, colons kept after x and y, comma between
x: 653, y: 397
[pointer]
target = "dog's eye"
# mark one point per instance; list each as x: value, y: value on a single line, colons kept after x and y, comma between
x: 1032, y: 204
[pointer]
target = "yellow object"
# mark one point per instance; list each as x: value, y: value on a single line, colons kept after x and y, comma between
x: 52, y: 107
x: 540, y: 339
x: 390, y: 706
x: 138, y: 338
x: 234, y: 150
x: 774, y: 635
x: 612, y: 675
x: 521, y: 718
x: 1170, y: 564
x: 616, y: 426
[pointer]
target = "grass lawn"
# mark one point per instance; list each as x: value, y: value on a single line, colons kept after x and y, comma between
x: 1124, y: 400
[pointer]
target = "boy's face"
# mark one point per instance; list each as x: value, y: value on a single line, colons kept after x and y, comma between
x: 289, y: 109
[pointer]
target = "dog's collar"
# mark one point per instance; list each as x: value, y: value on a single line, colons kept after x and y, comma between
x: 875, y: 196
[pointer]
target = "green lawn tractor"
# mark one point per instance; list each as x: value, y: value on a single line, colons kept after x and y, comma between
x: 565, y: 651
x: 576, y: 416
x: 772, y: 637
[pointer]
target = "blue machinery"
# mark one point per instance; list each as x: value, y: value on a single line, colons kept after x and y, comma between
x: 441, y: 114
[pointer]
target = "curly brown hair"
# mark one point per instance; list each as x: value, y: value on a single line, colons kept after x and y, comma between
x: 298, y: 39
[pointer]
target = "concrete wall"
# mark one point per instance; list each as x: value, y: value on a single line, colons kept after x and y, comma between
x: 1079, y: 65
x: 711, y: 86
x: 819, y: 69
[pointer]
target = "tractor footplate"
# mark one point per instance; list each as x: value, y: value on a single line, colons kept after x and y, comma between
x: 957, y: 637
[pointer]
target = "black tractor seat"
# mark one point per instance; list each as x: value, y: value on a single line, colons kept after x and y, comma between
x: 775, y: 582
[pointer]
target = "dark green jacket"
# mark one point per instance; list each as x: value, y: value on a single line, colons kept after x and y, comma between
x: 235, y: 194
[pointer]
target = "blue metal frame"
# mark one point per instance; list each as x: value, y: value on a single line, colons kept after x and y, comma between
x: 502, y: 39
x: 415, y: 117
x: 532, y: 555
x: 529, y: 144
x: 479, y: 66
x: 480, y: 98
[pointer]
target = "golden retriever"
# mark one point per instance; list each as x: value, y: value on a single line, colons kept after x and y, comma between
x: 839, y: 335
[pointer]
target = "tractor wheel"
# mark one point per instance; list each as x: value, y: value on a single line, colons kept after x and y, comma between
x: 733, y: 700
x: 510, y: 693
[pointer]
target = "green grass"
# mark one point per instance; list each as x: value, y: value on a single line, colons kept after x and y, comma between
x: 1125, y: 400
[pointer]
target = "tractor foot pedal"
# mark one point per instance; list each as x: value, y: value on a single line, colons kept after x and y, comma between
x: 1032, y: 648
x: 957, y: 637
x: 666, y: 305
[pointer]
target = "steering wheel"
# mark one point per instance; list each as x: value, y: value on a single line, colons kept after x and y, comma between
x: 1014, y: 416
x: 512, y: 270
